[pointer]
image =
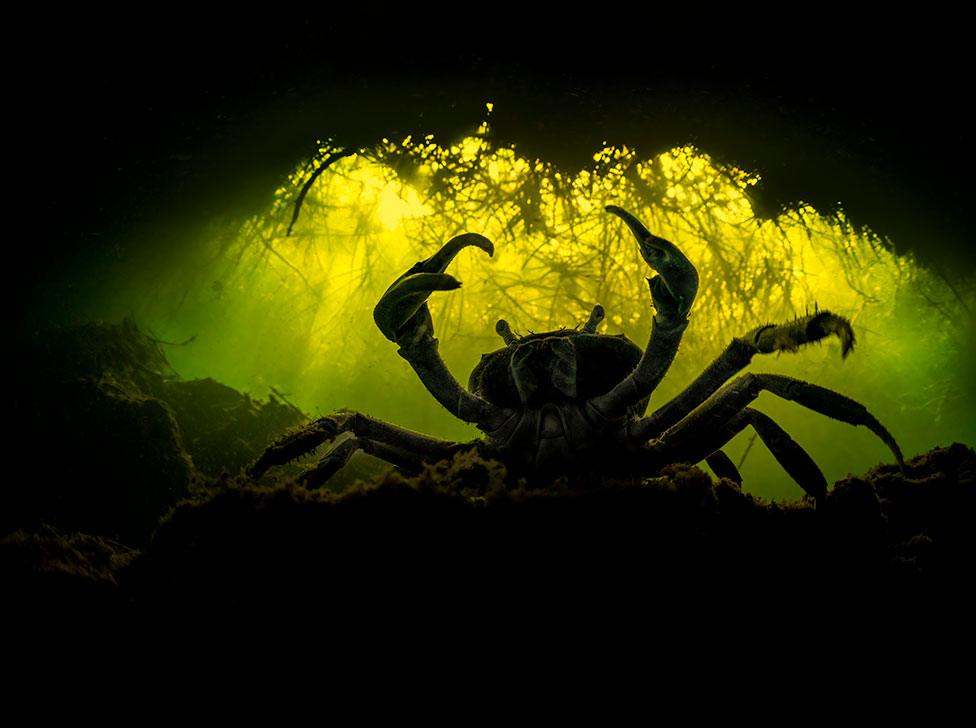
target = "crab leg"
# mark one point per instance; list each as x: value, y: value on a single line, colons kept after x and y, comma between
x: 403, y: 317
x: 381, y: 436
x: 726, y: 404
x: 737, y: 355
x: 293, y: 445
x: 722, y: 465
x: 673, y: 290
x: 334, y: 461
x: 794, y: 459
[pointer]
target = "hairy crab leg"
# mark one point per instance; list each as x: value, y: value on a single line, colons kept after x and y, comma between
x: 403, y: 318
x: 311, y: 436
x: 363, y: 425
x: 336, y: 459
x: 722, y: 465
x: 788, y: 453
x: 673, y: 290
x: 726, y: 404
x: 293, y: 445
x: 737, y: 355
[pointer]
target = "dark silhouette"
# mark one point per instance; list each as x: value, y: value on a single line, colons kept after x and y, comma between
x: 571, y: 403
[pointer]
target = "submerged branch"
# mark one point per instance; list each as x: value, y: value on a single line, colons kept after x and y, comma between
x: 270, y: 248
x: 347, y: 152
x: 153, y: 339
x: 955, y: 292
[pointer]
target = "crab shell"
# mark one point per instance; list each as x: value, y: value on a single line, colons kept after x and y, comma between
x: 555, y: 367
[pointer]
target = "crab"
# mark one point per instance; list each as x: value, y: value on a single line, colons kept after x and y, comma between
x: 572, y: 403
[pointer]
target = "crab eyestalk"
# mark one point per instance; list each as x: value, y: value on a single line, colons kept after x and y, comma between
x: 401, y: 313
x: 676, y: 285
x: 596, y: 318
x: 505, y: 331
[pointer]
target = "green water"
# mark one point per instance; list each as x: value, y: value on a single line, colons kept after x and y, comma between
x: 293, y: 312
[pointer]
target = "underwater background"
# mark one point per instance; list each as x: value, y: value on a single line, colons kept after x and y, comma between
x: 282, y: 301
x: 208, y: 213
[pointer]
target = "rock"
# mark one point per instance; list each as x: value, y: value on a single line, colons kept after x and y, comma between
x: 107, y: 438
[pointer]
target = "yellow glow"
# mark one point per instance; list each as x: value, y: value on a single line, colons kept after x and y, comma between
x: 371, y: 216
x: 558, y: 252
x: 395, y: 204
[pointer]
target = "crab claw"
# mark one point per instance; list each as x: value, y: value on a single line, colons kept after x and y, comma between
x: 676, y: 285
x: 401, y: 313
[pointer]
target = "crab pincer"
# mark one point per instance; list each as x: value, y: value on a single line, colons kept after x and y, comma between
x: 401, y: 314
x: 676, y: 285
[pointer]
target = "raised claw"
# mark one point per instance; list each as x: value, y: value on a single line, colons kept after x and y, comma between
x: 676, y: 285
x: 402, y: 313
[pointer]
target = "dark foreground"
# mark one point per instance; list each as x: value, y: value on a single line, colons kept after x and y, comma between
x: 135, y: 514
x: 456, y: 542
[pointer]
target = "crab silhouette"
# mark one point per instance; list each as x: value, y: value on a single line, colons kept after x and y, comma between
x: 571, y: 403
